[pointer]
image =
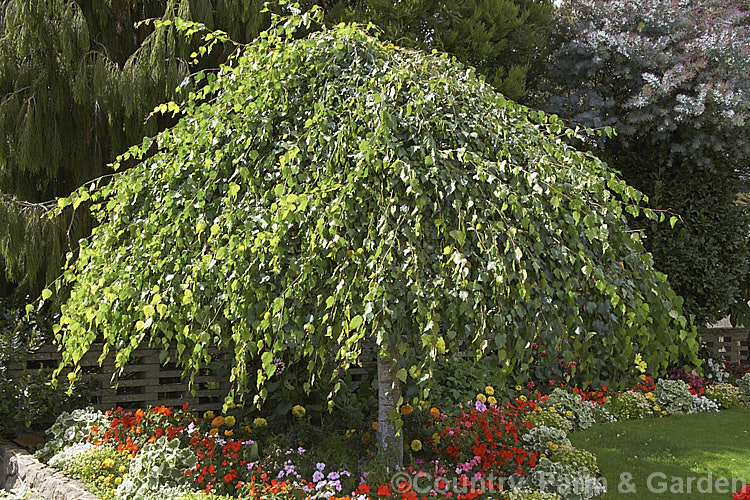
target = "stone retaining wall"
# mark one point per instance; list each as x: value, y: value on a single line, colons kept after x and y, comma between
x: 21, y: 471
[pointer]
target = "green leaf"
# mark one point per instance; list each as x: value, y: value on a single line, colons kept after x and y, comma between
x: 355, y: 322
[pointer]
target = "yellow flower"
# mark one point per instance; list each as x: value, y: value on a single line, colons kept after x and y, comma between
x: 298, y: 411
x: 260, y: 422
x: 118, y: 481
x: 569, y: 413
x: 416, y: 445
x: 231, y: 405
x: 656, y: 408
x: 350, y: 432
x: 650, y: 396
x: 434, y: 413
x: 482, y: 398
x: 663, y: 412
x: 436, y: 437
x: 122, y: 469
x: 553, y: 446
x: 217, y: 421
x: 523, y: 398
x: 229, y: 421
x: 108, y: 463
x: 491, y: 400
x: 209, y: 415
x: 519, y: 388
x: 552, y: 408
x: 489, y: 390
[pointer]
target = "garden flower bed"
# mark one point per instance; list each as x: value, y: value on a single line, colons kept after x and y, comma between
x: 484, y: 449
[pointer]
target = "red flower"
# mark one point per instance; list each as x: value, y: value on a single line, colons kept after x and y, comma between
x: 361, y: 489
x: 185, y: 406
x: 743, y: 494
x: 384, y: 490
x: 227, y: 478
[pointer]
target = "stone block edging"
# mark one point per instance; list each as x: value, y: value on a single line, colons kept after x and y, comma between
x: 19, y: 469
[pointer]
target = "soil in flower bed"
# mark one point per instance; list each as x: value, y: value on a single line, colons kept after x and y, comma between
x: 671, y: 450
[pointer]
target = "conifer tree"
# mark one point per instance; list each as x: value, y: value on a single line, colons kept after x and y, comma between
x: 77, y: 80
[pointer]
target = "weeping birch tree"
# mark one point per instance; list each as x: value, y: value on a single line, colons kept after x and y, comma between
x: 323, y: 190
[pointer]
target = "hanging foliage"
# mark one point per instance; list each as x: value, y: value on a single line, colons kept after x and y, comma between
x: 326, y: 189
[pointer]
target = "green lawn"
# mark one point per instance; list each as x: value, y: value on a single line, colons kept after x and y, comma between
x: 673, y: 448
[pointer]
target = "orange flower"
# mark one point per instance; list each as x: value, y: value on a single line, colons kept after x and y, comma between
x: 434, y: 413
x: 213, y: 431
x: 374, y: 426
x: 406, y: 409
x: 217, y: 422
x: 228, y: 432
x: 366, y: 438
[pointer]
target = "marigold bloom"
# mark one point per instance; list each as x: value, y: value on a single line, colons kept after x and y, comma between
x: 374, y: 426
x: 260, y: 422
x: 489, y: 390
x: 209, y: 415
x: 416, y: 445
x: 229, y: 421
x: 298, y: 411
x: 366, y: 438
x: 406, y: 409
x: 434, y: 413
x: 217, y: 422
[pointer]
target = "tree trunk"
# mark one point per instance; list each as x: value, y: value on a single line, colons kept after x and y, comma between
x: 389, y: 393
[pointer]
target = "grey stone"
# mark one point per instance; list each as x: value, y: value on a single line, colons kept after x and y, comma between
x: 19, y: 470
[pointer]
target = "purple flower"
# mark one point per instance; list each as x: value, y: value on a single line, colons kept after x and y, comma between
x: 332, y: 476
x: 320, y: 466
x: 480, y: 407
x: 317, y: 476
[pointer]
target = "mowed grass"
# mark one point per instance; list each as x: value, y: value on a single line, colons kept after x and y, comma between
x: 675, y: 448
